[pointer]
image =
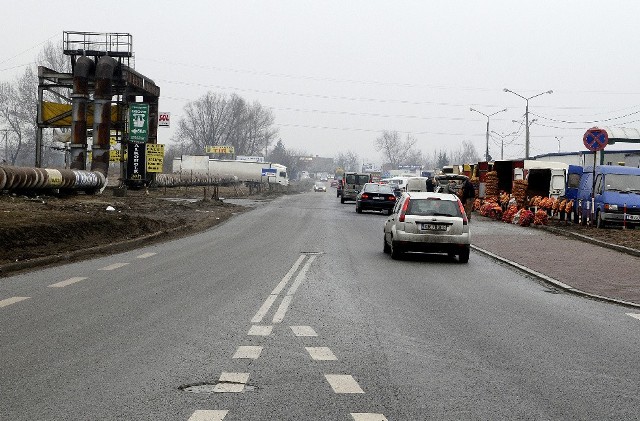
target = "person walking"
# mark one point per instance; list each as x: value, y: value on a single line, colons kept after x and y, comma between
x: 468, y: 197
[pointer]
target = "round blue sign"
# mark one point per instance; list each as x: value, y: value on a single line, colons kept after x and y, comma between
x: 595, y: 139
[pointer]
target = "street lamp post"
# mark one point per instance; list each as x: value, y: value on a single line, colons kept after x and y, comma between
x: 526, y: 113
x: 486, y: 151
x: 502, y: 136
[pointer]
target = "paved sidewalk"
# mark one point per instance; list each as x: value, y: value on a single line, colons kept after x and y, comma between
x: 586, y: 267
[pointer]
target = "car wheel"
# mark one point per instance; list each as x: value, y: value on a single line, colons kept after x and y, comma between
x: 389, y: 211
x: 358, y: 209
x: 599, y: 222
x: 396, y: 252
x: 341, y: 199
x: 464, y: 256
x: 386, y: 249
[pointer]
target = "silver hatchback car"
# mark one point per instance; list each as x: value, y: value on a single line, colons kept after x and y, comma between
x: 430, y: 223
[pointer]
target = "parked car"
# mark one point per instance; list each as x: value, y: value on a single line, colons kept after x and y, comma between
x: 428, y: 222
x: 319, y: 186
x: 449, y: 183
x: 375, y: 196
x: 334, y: 183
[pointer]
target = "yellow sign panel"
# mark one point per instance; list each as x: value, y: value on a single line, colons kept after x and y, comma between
x: 155, y: 157
x: 220, y: 149
x: 115, y: 155
x: 59, y: 115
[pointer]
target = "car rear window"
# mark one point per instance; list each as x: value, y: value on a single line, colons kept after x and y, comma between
x: 378, y: 188
x: 429, y: 207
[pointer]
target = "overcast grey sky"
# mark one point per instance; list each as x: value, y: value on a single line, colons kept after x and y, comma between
x: 335, y: 73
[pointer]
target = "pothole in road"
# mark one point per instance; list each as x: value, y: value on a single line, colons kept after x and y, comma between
x: 205, y: 387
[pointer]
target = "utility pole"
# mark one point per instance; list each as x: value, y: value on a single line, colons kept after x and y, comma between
x: 526, y: 115
x: 558, y: 139
x: 486, y: 152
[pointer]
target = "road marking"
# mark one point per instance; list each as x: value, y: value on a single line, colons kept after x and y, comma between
x: 68, y: 282
x: 634, y: 315
x: 145, y: 255
x: 114, y: 266
x: 362, y: 416
x: 301, y: 276
x: 282, y: 309
x: 249, y: 352
x: 343, y: 383
x: 321, y: 353
x: 288, y: 276
x: 206, y: 415
x: 12, y: 300
x: 303, y: 331
x: 260, y: 330
x: 264, y: 309
x: 231, y: 382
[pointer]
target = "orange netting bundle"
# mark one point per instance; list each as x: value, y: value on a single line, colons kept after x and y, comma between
x: 509, y: 214
x: 526, y: 217
x: 541, y: 217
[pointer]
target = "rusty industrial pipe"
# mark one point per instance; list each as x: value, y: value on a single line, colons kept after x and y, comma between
x: 102, y: 114
x: 82, y: 72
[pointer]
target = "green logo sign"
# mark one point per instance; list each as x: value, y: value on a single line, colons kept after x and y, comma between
x: 138, y: 122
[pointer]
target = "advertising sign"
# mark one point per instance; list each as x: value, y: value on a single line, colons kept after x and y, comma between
x: 163, y: 119
x: 269, y: 172
x: 155, y: 157
x: 138, y: 122
x: 220, y: 149
x: 136, y: 161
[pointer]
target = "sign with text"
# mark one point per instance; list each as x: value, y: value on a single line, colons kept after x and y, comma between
x: 163, y: 119
x: 136, y: 161
x: 220, y: 149
x: 138, y: 122
x: 155, y: 157
x: 269, y: 172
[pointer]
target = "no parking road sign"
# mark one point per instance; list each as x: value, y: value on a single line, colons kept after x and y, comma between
x: 595, y: 139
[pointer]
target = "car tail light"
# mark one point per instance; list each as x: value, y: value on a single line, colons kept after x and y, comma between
x: 465, y: 221
x: 365, y: 196
x: 391, y: 198
x: 403, y: 211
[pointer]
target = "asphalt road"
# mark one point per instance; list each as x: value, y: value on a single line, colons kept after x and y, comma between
x: 292, y: 312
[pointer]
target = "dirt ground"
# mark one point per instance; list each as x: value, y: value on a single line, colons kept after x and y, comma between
x: 73, y: 227
x: 35, y: 228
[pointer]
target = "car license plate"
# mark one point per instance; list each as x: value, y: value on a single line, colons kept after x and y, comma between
x: 377, y: 198
x: 434, y: 227
x: 633, y: 217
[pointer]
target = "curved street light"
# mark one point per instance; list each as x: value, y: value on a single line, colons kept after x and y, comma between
x: 486, y: 151
x: 526, y: 113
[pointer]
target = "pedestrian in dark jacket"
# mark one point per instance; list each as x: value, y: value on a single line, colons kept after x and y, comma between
x: 468, y: 197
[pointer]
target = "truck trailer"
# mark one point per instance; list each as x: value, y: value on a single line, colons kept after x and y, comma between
x: 243, y: 171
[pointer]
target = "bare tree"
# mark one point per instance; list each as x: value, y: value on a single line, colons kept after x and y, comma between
x: 467, y: 153
x: 347, y: 161
x: 18, y: 101
x: 396, y: 151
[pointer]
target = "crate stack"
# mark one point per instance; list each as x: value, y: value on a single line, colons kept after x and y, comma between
x: 520, y: 192
x: 491, y: 186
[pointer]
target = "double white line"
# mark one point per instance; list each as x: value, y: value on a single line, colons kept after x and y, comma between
x: 278, y: 317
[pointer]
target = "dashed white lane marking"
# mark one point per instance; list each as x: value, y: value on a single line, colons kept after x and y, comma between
x: 362, y: 416
x: 249, y: 352
x: 303, y: 331
x: 231, y: 382
x: 260, y: 330
x: 205, y: 415
x: 68, y: 282
x: 12, y: 300
x: 114, y: 266
x: 288, y: 276
x: 145, y: 255
x: 343, y: 383
x: 282, y: 309
x: 321, y: 353
x: 301, y: 276
x: 264, y: 309
x: 634, y: 315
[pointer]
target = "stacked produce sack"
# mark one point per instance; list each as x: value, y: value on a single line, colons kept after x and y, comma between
x: 520, y: 191
x: 491, y: 185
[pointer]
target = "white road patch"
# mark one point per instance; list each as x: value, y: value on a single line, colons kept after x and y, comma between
x: 303, y: 331
x: 114, y: 266
x: 282, y: 309
x: 343, y: 383
x: 250, y: 352
x: 301, y: 276
x: 68, y: 282
x: 264, y: 309
x: 12, y: 300
x: 288, y: 276
x: 231, y: 382
x: 207, y: 415
x: 145, y: 255
x: 365, y: 416
x: 634, y: 315
x: 260, y: 330
x: 321, y: 353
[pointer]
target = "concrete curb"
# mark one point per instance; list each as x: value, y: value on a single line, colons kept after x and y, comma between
x: 555, y: 282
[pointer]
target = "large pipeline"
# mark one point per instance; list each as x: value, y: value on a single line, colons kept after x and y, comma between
x: 102, y: 114
x: 20, y: 179
x: 79, y: 98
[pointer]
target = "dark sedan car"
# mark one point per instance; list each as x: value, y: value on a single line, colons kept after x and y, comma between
x: 374, y: 196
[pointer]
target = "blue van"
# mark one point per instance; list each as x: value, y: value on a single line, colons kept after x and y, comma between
x: 615, y: 194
